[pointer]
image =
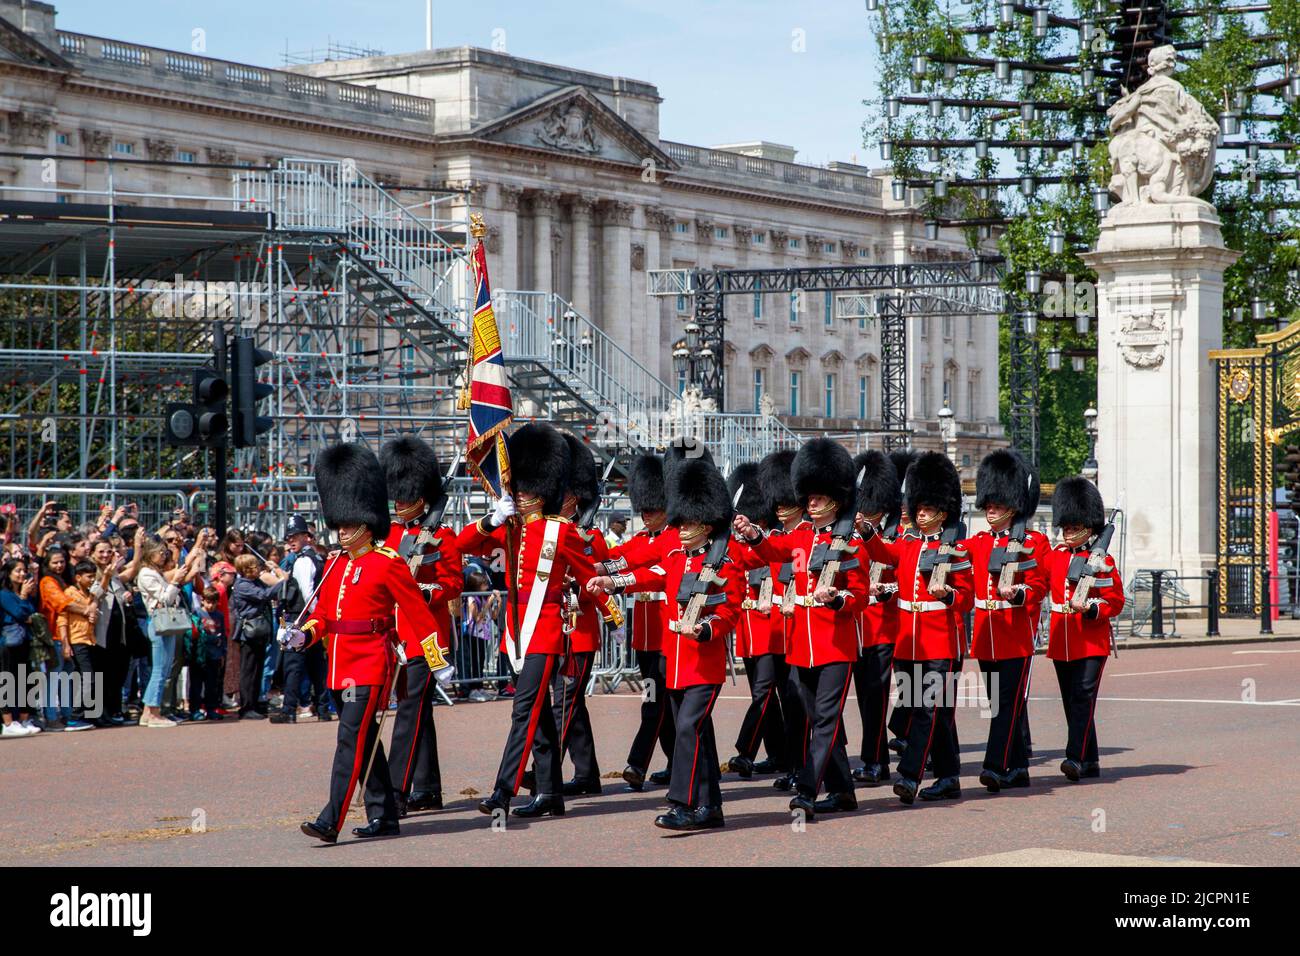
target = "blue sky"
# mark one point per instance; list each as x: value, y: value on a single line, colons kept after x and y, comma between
x: 727, y: 70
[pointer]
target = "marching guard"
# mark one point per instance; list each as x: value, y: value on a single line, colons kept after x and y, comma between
x: 549, y: 551
x: 1086, y: 595
x: 900, y: 720
x: 427, y: 545
x: 829, y: 583
x: 353, y: 613
x: 879, y: 501
x: 1009, y: 565
x: 934, y: 592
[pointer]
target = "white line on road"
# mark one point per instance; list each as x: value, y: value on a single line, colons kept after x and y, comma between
x: 1188, y: 670
x: 1190, y: 700
x: 1297, y: 651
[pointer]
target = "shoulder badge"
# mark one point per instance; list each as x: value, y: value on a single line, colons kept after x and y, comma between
x: 387, y: 551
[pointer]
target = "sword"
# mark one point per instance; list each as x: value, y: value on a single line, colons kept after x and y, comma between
x: 360, y: 799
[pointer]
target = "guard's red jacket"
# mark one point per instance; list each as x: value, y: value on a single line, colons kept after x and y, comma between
x: 878, y: 620
x: 819, y: 634
x: 354, y: 615
x: 781, y: 626
x: 928, y: 629
x: 1071, y: 635
x: 756, y: 632
x: 440, y: 580
x: 649, y: 608
x: 569, y: 560
x: 585, y: 638
x: 690, y: 661
x: 1004, y: 630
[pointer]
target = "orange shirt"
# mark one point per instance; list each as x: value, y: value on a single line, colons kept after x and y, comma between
x: 53, y: 601
x: 80, y: 630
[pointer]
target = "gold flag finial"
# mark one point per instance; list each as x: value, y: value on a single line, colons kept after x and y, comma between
x: 476, y: 227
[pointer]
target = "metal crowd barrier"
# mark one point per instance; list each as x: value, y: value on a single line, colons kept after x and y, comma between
x: 1153, y: 591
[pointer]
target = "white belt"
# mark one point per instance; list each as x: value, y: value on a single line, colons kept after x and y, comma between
x: 993, y: 605
x: 644, y: 596
x: 918, y: 606
x: 1064, y: 609
x: 805, y: 600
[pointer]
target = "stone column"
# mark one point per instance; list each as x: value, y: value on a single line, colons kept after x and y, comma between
x: 1159, y: 311
x: 506, y: 273
x: 616, y: 282
x: 660, y: 310
x: 580, y: 208
x: 543, y: 215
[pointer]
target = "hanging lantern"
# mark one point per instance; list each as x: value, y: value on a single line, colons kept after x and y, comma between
x: 1238, y: 314
x: 873, y: 5
x: 1022, y: 155
x: 1087, y: 75
x: 1228, y: 124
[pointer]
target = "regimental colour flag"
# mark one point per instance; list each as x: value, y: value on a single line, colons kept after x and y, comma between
x: 487, y: 389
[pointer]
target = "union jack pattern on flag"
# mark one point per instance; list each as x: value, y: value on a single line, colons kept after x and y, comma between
x: 487, y: 394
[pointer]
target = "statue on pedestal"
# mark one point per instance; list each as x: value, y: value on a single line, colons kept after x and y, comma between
x: 1162, y: 139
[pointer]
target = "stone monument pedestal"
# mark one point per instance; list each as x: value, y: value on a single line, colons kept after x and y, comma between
x: 1159, y: 312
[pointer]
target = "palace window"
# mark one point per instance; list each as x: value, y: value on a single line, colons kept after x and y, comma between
x: 758, y: 389
x: 682, y: 227
x: 828, y: 310
x: 719, y: 232
x: 124, y: 149
x: 829, y: 392
x: 794, y: 393
x: 63, y: 139
x: 759, y: 239
x: 758, y: 307
x: 185, y: 156
x: 795, y: 243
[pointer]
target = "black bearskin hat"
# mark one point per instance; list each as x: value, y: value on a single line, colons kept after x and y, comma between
x: 752, y: 504
x: 685, y: 448
x: 584, y: 476
x: 412, y: 471
x: 697, y: 494
x: 881, y: 489
x: 933, y: 480
x: 352, y: 489
x: 645, y: 484
x: 539, y: 464
x: 1004, y: 478
x: 823, y: 467
x: 774, y: 478
x: 1077, y: 501
x: 902, y: 460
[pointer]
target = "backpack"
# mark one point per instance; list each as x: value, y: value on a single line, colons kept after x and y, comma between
x: 292, y: 600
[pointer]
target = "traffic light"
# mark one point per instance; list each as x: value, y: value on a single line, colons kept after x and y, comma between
x: 248, y: 391
x: 1290, y: 475
x: 204, y: 421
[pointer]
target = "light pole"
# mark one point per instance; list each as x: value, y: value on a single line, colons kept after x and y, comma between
x: 1090, y: 424
x: 948, y: 434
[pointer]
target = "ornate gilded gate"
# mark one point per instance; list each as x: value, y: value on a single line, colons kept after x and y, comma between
x: 1258, y: 408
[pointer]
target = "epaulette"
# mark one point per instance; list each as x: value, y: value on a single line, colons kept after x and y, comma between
x: 386, y: 551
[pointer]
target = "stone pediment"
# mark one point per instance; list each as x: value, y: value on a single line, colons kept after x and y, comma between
x: 19, y: 47
x: 574, y: 122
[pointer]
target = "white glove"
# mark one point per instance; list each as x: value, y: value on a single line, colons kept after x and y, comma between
x: 503, y: 509
x: 293, y: 638
x: 618, y: 635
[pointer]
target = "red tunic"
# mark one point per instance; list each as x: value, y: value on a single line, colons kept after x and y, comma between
x: 354, y: 615
x: 878, y: 621
x: 441, y: 582
x: 819, y: 634
x: 689, y: 661
x: 585, y: 638
x: 1071, y: 636
x: 929, y: 633
x: 782, y: 626
x: 548, y: 634
x: 754, y: 627
x: 1003, y: 632
x: 649, y: 608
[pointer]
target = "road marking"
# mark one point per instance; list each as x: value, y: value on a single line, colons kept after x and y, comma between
x: 1048, y: 856
x: 1267, y: 652
x: 1188, y: 670
x: 1190, y: 700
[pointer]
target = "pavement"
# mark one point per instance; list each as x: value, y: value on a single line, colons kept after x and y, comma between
x: 1198, y: 751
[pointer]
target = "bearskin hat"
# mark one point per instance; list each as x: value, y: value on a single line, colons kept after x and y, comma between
x: 774, y: 478
x: 1005, y: 478
x: 584, y: 476
x: 881, y: 488
x: 1077, y: 501
x: 823, y: 467
x: 902, y: 459
x: 753, y: 505
x: 685, y: 448
x: 933, y: 480
x: 539, y: 464
x: 412, y: 471
x: 697, y: 494
x: 645, y: 484
x: 350, y: 483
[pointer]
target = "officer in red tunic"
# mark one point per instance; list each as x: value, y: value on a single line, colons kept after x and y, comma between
x: 549, y: 551
x: 764, y: 657
x: 428, y: 547
x: 1080, y: 636
x: 696, y: 652
x: 1009, y: 589
x: 361, y: 589
x: 651, y: 544
x: 879, y: 501
x: 830, y: 584
x: 935, y: 590
x: 900, y: 720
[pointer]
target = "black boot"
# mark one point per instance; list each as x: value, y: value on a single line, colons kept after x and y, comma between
x: 661, y: 777
x: 804, y: 803
x: 282, y: 717
x: 741, y: 765
x: 635, y: 778
x: 320, y: 832
x: 906, y: 790
x: 873, y: 774
x: 837, y: 802
x: 945, y: 788
x: 684, y: 819
x: 1091, y: 768
x: 401, y: 806
x: 784, y: 782
x: 542, y: 805
x: 1016, y: 777
x: 1072, y: 769
x: 991, y: 780
x: 578, y: 788
x: 897, y: 745
x: 768, y: 765
x: 424, y: 801
x: 529, y: 782
x: 500, y: 800
x: 377, y: 828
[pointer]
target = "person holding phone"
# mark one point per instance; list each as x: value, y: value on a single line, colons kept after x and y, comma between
x: 18, y: 591
x: 250, y: 603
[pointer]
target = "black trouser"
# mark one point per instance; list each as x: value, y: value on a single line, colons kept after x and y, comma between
x: 413, y: 751
x: 307, y: 663
x: 931, y: 700
x: 900, y: 721
x: 793, y: 715
x: 358, y: 736
x: 252, y: 658
x: 824, y: 690
x: 569, y: 704
x: 1080, y: 682
x: 205, y: 684
x: 871, y: 683
x: 764, y: 722
x: 89, y: 659
x: 532, y: 730
x: 1007, y: 684
x: 695, y: 781
x: 116, y: 662
x: 656, y: 721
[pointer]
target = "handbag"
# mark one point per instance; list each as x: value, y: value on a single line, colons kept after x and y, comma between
x: 254, y: 630
x: 171, y: 621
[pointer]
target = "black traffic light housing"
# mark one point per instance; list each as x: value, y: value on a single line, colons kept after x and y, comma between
x: 204, y: 421
x: 245, y: 358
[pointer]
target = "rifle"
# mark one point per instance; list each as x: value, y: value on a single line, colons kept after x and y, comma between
x: 414, y: 551
x: 761, y: 579
x: 694, y: 591
x: 828, y: 559
x: 786, y: 577
x: 1084, y: 572
x: 947, y: 557
x: 1006, y: 560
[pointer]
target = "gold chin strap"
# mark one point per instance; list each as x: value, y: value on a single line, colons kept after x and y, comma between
x: 820, y: 513
x: 692, y: 540
x: 358, y: 540
x: 785, y: 514
x: 412, y: 510
x: 527, y: 503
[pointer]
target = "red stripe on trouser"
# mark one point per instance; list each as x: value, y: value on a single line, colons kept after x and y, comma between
x: 580, y: 682
x: 884, y: 710
x: 358, y: 761
x: 415, y: 734
x: 839, y: 722
x: 1092, y: 711
x: 758, y: 727
x: 695, y: 759
x: 1015, y: 714
x: 538, y: 701
x: 934, y: 719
